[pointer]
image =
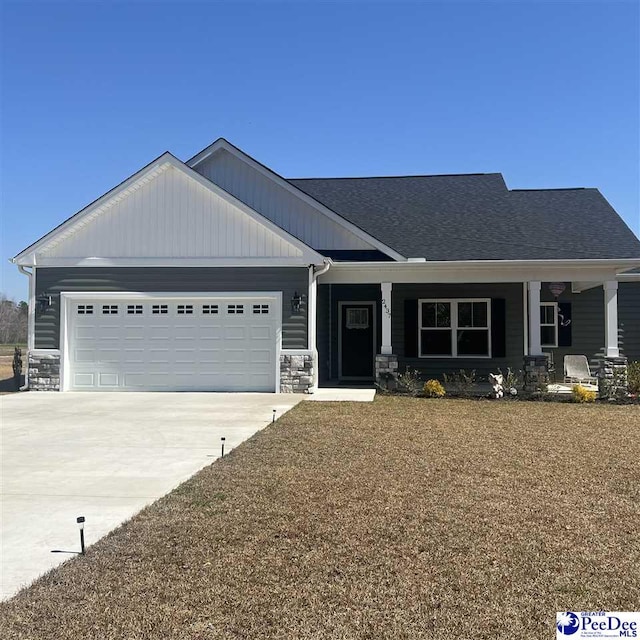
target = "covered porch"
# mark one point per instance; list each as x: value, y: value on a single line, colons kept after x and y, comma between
x: 375, y: 320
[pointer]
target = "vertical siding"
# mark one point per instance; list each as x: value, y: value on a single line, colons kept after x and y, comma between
x: 148, y: 279
x: 510, y: 292
x: 171, y: 215
x: 629, y: 319
x: 276, y: 203
x: 323, y: 340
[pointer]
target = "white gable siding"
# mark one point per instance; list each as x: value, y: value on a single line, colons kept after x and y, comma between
x: 171, y: 216
x: 274, y: 202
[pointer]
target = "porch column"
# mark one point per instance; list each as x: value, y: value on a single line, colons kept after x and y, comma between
x: 611, y: 349
x: 535, y: 343
x: 385, y: 348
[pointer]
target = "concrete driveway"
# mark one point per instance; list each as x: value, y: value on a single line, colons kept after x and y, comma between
x: 105, y: 456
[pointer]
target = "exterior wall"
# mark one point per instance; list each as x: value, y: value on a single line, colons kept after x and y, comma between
x: 629, y: 319
x: 276, y: 203
x: 44, y: 371
x: 172, y: 215
x: 296, y: 372
x: 587, y: 327
x: 328, y: 321
x: 435, y: 367
x: 185, y: 279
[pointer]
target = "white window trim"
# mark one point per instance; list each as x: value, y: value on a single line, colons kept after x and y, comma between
x: 454, y: 328
x: 555, y: 324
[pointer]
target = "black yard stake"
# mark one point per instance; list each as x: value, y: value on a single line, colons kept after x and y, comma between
x: 274, y: 417
x: 80, y: 521
x: 222, y: 440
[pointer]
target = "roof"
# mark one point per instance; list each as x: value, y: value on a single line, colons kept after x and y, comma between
x: 476, y: 217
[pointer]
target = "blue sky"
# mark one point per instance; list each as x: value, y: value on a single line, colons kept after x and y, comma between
x: 545, y: 92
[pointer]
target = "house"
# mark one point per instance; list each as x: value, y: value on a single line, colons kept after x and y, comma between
x: 219, y: 274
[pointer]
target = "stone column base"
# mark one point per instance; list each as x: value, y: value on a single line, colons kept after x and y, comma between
x: 536, y: 373
x: 387, y: 371
x: 296, y: 372
x: 44, y: 371
x: 612, y: 377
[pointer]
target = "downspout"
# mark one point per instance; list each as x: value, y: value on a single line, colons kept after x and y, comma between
x: 314, y: 274
x: 30, y: 323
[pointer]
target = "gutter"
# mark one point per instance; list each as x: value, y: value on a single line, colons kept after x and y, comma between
x: 626, y: 263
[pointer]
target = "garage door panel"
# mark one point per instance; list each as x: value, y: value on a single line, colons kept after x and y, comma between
x: 164, y: 344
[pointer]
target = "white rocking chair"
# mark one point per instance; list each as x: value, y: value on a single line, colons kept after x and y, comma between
x: 576, y: 370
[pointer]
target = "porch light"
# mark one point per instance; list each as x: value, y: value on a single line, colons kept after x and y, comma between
x: 44, y: 300
x: 295, y: 302
x: 557, y: 288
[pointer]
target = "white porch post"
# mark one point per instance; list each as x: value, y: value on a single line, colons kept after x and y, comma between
x: 611, y: 318
x: 535, y: 343
x: 386, y: 348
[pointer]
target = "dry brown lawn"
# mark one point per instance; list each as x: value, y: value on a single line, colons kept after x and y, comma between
x: 400, y: 519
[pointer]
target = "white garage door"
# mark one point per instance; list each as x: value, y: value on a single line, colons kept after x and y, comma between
x: 157, y: 343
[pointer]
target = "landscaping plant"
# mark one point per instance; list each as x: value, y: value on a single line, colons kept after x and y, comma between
x: 433, y: 389
x: 581, y: 394
x: 633, y: 377
x: 461, y: 383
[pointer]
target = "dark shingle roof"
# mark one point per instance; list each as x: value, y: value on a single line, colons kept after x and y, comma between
x: 475, y: 217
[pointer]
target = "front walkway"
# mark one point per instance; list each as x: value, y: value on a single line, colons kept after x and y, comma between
x: 105, y: 456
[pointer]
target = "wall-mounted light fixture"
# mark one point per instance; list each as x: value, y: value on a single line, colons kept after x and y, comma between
x: 44, y: 301
x: 295, y: 302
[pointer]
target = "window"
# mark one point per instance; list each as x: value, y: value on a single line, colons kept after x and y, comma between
x: 235, y: 308
x: 358, y: 318
x: 209, y: 309
x: 109, y: 309
x: 134, y: 309
x: 454, y: 328
x: 260, y: 308
x: 549, y: 324
x: 159, y: 308
x: 85, y: 309
x: 185, y: 309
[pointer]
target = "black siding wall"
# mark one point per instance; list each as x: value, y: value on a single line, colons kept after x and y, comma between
x: 629, y: 319
x: 511, y: 293
x: 184, y: 279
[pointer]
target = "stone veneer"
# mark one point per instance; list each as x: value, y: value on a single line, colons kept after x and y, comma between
x: 296, y: 372
x: 44, y: 371
x: 387, y: 371
x: 536, y: 373
x: 612, y: 377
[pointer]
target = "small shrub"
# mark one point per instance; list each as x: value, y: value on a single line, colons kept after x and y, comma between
x: 409, y: 381
x: 633, y: 377
x: 433, y: 389
x: 461, y: 383
x: 17, y: 367
x: 580, y: 394
x: 512, y: 381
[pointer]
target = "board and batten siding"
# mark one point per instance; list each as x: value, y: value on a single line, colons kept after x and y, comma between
x: 629, y: 319
x: 172, y: 215
x: 182, y: 280
x: 511, y: 293
x: 276, y: 203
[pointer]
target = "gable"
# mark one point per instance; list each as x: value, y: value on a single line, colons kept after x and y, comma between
x: 283, y: 204
x: 168, y: 214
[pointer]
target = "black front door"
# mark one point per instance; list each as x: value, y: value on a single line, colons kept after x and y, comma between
x: 356, y: 340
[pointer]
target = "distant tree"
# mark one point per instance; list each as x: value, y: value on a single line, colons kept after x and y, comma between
x: 13, y: 321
